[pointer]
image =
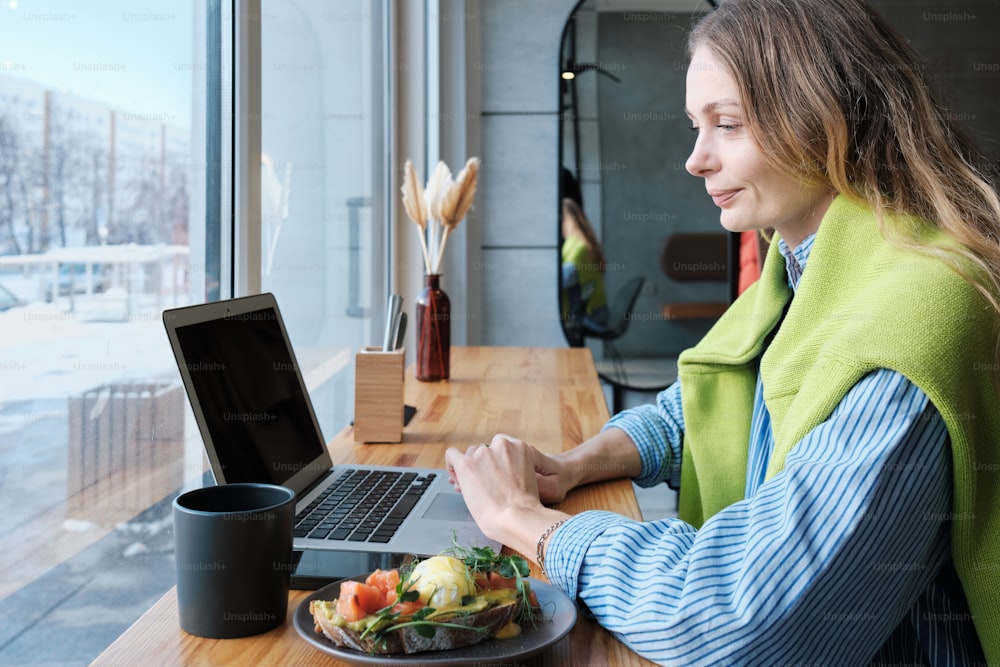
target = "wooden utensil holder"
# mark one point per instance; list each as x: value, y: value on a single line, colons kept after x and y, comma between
x: 378, y: 395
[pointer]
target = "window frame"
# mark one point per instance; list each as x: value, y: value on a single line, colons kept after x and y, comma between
x: 246, y: 148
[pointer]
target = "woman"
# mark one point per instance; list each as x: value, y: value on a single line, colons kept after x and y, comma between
x: 583, y: 263
x: 836, y: 452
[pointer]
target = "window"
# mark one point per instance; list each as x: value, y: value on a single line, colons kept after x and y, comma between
x: 117, y: 198
x: 102, y: 218
x: 323, y: 186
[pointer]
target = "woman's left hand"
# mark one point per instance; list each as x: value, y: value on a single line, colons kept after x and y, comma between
x: 496, y: 479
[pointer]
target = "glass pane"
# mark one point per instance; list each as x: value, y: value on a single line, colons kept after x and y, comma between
x: 322, y: 186
x: 103, y: 224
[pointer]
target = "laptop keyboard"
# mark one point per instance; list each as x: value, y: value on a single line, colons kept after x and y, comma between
x: 363, y: 506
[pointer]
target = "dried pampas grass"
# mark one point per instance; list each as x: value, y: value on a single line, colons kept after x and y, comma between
x: 455, y: 203
x: 413, y: 204
x: 439, y: 208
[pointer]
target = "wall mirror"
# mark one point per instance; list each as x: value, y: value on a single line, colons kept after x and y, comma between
x: 624, y: 138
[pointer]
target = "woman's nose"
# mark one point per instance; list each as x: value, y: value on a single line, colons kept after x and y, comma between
x: 701, y: 160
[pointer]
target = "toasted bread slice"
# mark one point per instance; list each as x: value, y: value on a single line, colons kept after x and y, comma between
x: 323, y: 614
x: 480, y: 627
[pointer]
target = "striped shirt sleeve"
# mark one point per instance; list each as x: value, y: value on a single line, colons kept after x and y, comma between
x: 822, y: 561
x: 657, y: 430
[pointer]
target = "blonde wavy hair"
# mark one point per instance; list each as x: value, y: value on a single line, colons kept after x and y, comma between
x: 834, y: 95
x: 572, y: 210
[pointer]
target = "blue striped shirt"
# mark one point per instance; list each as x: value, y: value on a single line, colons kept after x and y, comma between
x: 843, y: 558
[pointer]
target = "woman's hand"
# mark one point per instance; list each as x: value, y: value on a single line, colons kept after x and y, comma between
x: 507, y: 475
x: 506, y: 482
x: 550, y: 474
x: 500, y: 484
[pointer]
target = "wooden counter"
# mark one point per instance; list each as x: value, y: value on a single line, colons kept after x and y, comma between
x: 550, y: 397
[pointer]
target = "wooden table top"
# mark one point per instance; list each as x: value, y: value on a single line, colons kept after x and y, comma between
x: 550, y: 397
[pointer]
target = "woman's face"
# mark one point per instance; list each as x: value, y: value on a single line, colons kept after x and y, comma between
x: 750, y: 193
x: 569, y: 227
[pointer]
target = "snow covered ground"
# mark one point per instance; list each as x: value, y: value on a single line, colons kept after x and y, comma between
x: 107, y: 574
x: 48, y: 352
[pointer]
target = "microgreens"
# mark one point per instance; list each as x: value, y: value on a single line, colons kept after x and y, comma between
x: 485, y: 560
x: 386, y: 618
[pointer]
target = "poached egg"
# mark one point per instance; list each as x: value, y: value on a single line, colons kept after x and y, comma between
x: 442, y: 581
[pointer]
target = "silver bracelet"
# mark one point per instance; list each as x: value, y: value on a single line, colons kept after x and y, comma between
x: 539, y: 556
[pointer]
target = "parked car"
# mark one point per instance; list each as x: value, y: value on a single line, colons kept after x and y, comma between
x: 7, y: 299
x: 73, y: 277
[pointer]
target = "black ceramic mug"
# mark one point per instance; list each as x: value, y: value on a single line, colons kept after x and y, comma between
x: 233, y: 547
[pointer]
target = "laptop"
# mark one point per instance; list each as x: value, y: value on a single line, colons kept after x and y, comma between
x: 258, y: 424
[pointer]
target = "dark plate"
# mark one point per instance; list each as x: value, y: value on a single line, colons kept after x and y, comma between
x: 559, y: 610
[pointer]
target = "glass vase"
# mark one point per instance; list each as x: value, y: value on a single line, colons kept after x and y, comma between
x: 433, y: 331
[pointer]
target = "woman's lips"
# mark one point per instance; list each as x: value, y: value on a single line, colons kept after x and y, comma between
x: 722, y: 197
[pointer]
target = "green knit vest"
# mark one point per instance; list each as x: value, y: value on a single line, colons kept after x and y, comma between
x: 588, y: 270
x: 862, y: 304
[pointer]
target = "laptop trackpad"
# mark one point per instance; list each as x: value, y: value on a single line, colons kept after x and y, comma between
x: 448, y: 507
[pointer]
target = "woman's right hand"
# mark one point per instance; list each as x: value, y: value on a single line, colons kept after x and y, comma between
x: 610, y: 454
x: 554, y: 477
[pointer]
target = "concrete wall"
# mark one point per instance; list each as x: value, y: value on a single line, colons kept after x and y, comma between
x: 517, y: 201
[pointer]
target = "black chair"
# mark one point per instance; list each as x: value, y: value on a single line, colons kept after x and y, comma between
x: 619, y: 317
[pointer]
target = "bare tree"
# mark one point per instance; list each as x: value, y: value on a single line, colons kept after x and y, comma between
x: 10, y: 156
x: 149, y: 210
x: 69, y: 162
x: 139, y: 205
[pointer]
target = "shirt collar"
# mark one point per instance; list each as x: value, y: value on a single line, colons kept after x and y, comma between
x: 795, y: 260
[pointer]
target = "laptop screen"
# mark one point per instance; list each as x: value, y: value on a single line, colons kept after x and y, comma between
x: 243, y: 374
